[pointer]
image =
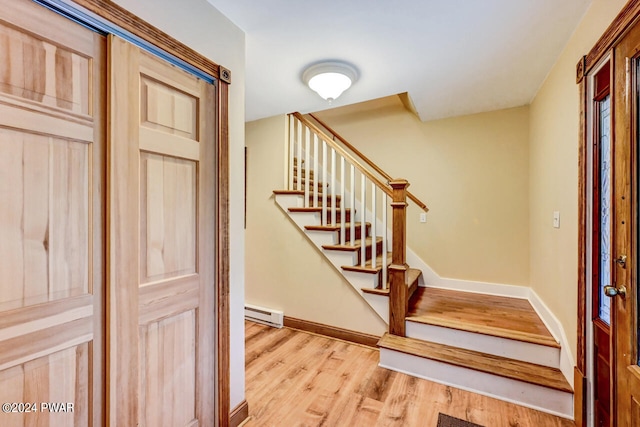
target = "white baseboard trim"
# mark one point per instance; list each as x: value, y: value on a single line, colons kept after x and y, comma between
x: 434, y: 280
x: 567, y: 361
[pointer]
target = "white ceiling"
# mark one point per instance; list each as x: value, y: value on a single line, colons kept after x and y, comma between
x: 453, y: 57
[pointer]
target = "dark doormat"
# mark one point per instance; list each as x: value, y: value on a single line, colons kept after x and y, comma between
x: 449, y: 421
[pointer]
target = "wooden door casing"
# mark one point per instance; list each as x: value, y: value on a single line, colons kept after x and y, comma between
x: 52, y: 133
x: 162, y: 235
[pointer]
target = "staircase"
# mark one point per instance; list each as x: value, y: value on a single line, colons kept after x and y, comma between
x: 493, y: 345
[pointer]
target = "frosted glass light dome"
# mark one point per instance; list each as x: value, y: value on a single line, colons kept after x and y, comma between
x: 330, y: 79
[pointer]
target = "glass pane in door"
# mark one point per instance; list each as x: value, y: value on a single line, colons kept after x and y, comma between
x: 604, y: 303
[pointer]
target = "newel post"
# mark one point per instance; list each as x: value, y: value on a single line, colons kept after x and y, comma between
x: 398, y: 299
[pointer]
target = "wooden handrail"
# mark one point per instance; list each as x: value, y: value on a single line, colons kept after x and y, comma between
x: 367, y: 160
x: 344, y: 153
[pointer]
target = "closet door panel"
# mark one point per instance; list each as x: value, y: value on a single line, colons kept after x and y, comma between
x: 52, y: 115
x: 161, y: 289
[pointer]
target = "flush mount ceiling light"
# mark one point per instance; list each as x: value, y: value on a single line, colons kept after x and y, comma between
x: 330, y: 78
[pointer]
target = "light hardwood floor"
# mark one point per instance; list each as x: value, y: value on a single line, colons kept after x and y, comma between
x: 294, y: 378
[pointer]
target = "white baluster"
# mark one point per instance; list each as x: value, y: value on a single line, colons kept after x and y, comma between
x: 363, y: 219
x: 374, y: 219
x: 316, y: 197
x: 324, y: 178
x: 352, y: 205
x: 342, y: 202
x: 299, y: 165
x: 292, y: 138
x: 333, y: 187
x: 307, y: 174
x: 385, y: 201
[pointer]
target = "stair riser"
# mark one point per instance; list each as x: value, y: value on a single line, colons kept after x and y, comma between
x: 340, y: 258
x: 522, y: 393
x: 321, y: 238
x: 362, y: 280
x: 347, y: 233
x: 312, y: 202
x: 368, y: 251
x: 303, y: 219
x: 318, y: 185
x: 498, y: 346
x: 303, y: 173
x: 338, y: 217
x: 286, y: 201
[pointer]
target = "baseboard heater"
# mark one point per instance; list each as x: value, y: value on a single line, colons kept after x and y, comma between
x: 266, y: 316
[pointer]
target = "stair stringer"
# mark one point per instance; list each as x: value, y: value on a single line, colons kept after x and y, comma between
x: 378, y: 303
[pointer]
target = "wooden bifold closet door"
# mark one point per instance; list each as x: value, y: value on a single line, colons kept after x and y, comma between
x: 52, y: 157
x: 107, y: 230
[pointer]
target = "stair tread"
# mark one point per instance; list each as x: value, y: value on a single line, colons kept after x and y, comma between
x: 311, y: 209
x: 368, y: 265
x: 294, y: 192
x: 357, y: 244
x: 498, y: 316
x: 497, y: 365
x: 414, y: 275
x: 332, y: 227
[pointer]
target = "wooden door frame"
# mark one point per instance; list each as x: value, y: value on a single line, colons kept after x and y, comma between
x: 124, y: 19
x: 627, y: 17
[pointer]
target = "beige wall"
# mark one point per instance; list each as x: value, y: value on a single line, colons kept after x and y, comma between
x: 553, y: 162
x: 284, y: 270
x: 492, y: 181
x: 471, y: 171
x: 202, y: 27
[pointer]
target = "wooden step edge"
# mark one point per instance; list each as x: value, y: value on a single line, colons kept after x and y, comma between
x: 376, y: 291
x: 310, y: 209
x: 360, y: 269
x: 356, y: 246
x: 329, y: 227
x: 298, y: 209
x: 368, y: 265
x: 496, y: 365
x: 485, y: 330
x: 285, y: 192
x: 413, y: 276
x: 332, y: 228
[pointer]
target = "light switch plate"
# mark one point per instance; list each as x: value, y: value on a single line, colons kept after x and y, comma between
x: 556, y: 219
x: 423, y: 217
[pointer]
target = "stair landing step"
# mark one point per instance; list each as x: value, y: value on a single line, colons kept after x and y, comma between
x: 496, y: 365
x: 504, y: 317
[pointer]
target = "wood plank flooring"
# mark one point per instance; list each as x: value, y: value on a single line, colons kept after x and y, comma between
x: 294, y: 378
x: 487, y: 314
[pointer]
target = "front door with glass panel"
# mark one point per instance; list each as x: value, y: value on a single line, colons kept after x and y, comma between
x: 601, y: 244
x: 625, y: 199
